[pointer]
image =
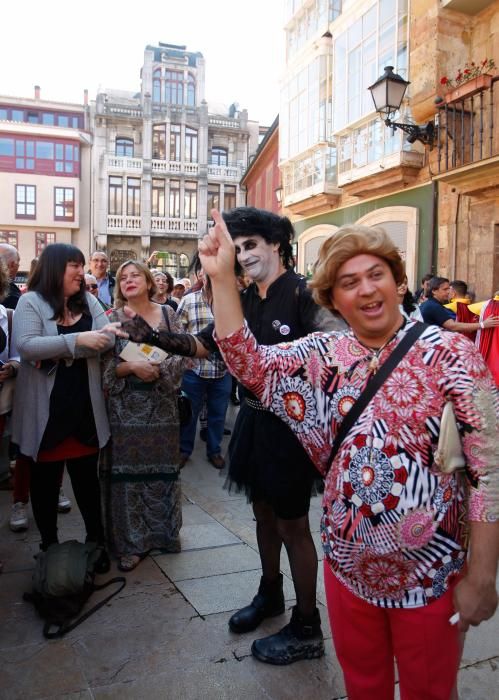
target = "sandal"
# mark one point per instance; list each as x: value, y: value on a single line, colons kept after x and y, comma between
x: 129, y: 562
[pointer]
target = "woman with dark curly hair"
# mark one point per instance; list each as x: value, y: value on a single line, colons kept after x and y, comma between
x: 60, y: 416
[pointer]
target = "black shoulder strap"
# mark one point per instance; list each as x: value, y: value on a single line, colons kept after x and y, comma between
x: 10, y: 316
x: 372, y: 387
x: 64, y: 628
x: 166, y: 317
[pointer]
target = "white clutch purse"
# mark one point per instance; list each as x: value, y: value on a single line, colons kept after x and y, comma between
x: 449, y: 455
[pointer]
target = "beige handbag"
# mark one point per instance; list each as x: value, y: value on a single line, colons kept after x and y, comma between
x: 449, y: 455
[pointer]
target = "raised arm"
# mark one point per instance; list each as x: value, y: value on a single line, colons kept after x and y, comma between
x: 217, y: 255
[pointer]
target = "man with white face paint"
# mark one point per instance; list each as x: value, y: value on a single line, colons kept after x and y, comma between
x: 267, y: 461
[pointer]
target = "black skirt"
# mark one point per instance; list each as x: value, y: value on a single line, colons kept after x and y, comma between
x: 267, y: 462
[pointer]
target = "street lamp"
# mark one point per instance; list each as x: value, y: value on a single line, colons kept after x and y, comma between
x: 278, y: 194
x: 387, y: 93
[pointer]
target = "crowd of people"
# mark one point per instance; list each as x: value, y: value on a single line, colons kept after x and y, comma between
x: 396, y: 528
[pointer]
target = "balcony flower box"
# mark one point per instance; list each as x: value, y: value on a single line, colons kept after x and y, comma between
x: 469, y: 88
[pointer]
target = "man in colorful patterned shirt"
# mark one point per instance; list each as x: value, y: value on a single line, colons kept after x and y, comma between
x: 395, y: 527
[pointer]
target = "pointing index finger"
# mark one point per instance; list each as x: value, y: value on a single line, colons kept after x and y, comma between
x: 220, y: 224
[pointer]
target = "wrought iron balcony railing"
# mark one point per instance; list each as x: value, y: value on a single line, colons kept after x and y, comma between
x: 467, y: 131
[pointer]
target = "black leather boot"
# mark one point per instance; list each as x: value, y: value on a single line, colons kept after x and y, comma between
x: 300, y: 639
x: 268, y: 602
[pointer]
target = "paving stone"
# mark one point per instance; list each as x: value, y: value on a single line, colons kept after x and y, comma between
x: 225, y: 592
x: 221, y: 681
x: 209, y: 562
x: 49, y: 669
x: 81, y: 695
x: 482, y: 642
x: 20, y: 624
x: 151, y: 647
x: 480, y: 682
x: 192, y: 514
x: 206, y: 535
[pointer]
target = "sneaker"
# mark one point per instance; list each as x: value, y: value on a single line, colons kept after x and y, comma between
x: 18, y: 517
x: 64, y: 504
x: 298, y: 640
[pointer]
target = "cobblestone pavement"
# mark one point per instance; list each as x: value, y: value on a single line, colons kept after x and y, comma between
x: 165, y: 635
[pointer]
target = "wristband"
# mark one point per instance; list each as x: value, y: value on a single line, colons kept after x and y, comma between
x: 482, y: 325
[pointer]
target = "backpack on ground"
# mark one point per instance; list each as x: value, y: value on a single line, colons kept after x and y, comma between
x: 63, y: 581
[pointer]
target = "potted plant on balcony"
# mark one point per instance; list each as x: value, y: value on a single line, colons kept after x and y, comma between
x: 470, y: 80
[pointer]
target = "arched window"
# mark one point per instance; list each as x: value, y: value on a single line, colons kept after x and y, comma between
x: 309, y: 244
x: 174, y: 87
x: 124, y: 147
x: 156, y: 85
x: 402, y: 225
x: 191, y: 90
x: 219, y: 156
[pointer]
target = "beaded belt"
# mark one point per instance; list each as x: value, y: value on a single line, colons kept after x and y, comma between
x: 252, y: 403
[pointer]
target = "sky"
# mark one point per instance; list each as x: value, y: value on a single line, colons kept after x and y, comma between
x: 65, y: 47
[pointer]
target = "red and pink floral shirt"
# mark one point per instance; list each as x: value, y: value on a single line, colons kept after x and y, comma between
x: 394, y: 527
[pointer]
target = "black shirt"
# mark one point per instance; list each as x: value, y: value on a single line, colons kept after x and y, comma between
x: 287, y: 313
x: 71, y: 413
x: 10, y: 301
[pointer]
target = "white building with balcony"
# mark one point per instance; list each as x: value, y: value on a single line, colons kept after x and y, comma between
x: 163, y: 158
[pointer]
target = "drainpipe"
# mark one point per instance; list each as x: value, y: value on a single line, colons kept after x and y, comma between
x: 454, y: 240
x: 434, y: 228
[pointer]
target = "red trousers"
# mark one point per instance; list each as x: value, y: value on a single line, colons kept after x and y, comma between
x: 367, y: 639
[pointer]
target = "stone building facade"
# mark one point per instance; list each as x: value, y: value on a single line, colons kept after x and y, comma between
x: 162, y: 159
x: 465, y: 161
x: 340, y: 163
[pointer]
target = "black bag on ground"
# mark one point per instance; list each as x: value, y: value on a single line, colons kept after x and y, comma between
x: 63, y: 581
